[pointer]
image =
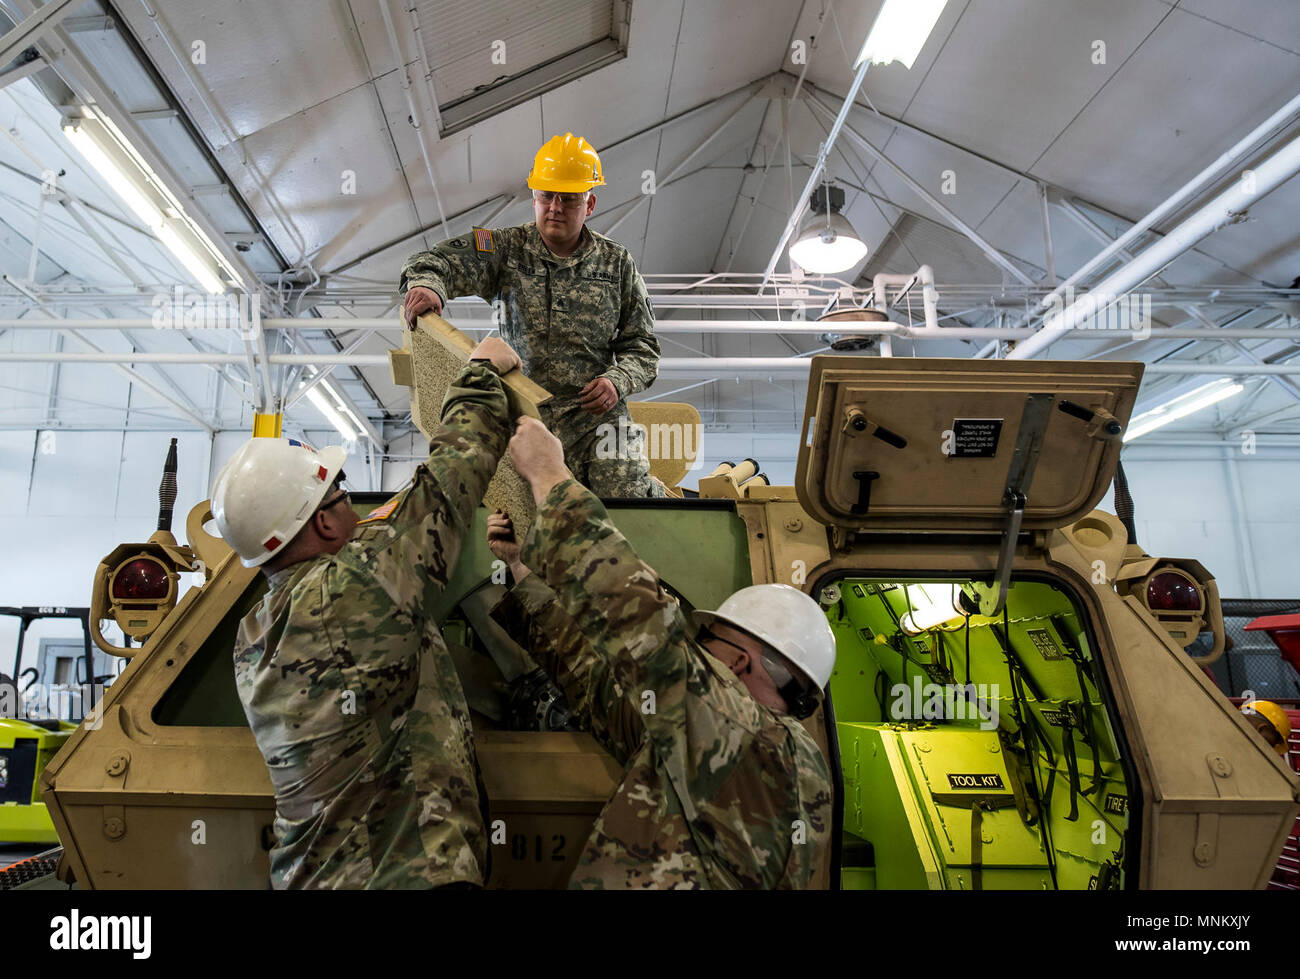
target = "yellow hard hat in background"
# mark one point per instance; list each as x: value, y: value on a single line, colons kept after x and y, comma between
x: 1276, y: 717
x: 566, y: 164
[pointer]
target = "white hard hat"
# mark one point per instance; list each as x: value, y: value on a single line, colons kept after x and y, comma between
x: 267, y: 491
x: 785, y: 619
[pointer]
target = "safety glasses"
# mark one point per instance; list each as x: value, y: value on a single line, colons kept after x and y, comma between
x: 799, y: 697
x: 336, y: 485
x: 567, y: 201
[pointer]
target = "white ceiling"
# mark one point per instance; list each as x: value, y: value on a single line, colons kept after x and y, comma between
x: 293, y: 96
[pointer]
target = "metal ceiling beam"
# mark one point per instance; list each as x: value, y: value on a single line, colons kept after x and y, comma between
x: 1283, y: 384
x: 459, y: 215
x: 1229, y: 207
x: 695, y: 326
x: 1175, y: 201
x: 784, y: 368
x: 416, y: 111
x: 119, y: 365
x: 68, y: 60
x: 33, y: 27
x: 676, y: 172
x: 796, y: 212
x: 24, y: 70
x: 991, y: 253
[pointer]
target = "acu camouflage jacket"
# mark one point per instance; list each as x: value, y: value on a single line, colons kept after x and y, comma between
x: 718, y: 791
x: 351, y: 693
x: 569, y: 319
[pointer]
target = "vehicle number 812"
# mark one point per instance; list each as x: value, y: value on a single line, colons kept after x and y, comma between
x: 519, y: 848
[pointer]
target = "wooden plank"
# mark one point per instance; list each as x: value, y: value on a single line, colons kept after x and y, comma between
x: 524, y: 395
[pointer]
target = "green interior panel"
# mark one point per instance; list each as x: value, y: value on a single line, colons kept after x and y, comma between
x: 204, y: 694
x: 704, y: 557
x: 699, y: 550
x: 997, y: 714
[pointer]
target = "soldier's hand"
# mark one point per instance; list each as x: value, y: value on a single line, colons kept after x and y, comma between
x: 538, y: 456
x: 599, y: 396
x: 502, y: 355
x: 502, y: 542
x: 420, y: 299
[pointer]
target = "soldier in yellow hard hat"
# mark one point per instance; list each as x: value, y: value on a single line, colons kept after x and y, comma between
x: 1271, y: 721
x: 573, y: 306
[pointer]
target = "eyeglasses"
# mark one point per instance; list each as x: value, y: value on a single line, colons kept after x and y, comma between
x: 338, y: 485
x: 567, y: 201
x: 799, y: 697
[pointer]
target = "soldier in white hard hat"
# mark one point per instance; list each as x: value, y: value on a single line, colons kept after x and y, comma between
x: 347, y: 684
x: 722, y: 785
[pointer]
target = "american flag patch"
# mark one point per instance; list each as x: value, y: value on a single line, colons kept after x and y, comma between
x: 381, y: 512
x: 483, y: 239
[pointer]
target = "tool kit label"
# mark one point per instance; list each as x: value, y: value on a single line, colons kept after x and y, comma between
x: 1116, y: 805
x: 991, y: 781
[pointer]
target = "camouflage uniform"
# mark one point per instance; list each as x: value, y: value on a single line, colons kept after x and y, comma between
x: 570, y: 320
x: 715, y: 786
x: 351, y: 693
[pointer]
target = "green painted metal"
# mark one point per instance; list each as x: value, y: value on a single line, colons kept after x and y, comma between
x: 896, y: 754
x: 699, y: 550
x: 25, y: 819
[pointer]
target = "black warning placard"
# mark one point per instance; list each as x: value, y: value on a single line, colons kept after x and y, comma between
x: 975, y: 438
x: 1045, y: 644
x: 979, y: 781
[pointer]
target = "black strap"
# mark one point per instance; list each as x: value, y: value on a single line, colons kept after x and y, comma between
x: 1082, y: 670
x: 1071, y: 760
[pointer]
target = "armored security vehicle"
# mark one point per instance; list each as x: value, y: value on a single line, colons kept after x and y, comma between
x: 1012, y: 705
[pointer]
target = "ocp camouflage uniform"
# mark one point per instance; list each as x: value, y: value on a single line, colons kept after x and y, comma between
x: 351, y: 693
x: 571, y: 320
x: 718, y: 791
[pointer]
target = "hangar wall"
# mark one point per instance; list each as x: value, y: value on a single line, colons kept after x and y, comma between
x: 63, y: 509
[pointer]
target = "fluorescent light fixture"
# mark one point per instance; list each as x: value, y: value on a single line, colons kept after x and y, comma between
x: 332, y: 414
x: 1182, y: 406
x: 116, y: 179
x: 168, y: 236
x: 929, y: 612
x: 136, y: 185
x: 900, y: 31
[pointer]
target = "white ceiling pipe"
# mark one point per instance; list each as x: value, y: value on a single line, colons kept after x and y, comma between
x: 740, y: 327
x: 929, y: 296
x: 415, y: 113
x: 785, y: 368
x: 1229, y: 207
x: 1183, y: 194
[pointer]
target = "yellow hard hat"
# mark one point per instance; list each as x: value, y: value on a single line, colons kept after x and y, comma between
x: 1277, y: 719
x: 566, y: 164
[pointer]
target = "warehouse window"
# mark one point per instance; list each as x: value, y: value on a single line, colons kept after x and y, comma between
x: 489, y: 56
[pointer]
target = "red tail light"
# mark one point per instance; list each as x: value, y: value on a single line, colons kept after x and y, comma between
x: 1173, y: 591
x: 143, y: 578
